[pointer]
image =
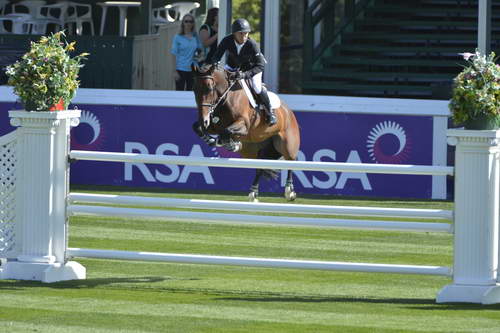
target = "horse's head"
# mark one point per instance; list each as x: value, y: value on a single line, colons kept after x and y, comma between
x: 210, y: 83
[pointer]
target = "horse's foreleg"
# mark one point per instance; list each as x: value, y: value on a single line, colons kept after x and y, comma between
x: 236, y: 129
x: 201, y: 132
x: 290, y: 194
x: 254, y: 189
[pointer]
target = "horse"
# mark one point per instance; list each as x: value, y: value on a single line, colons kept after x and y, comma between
x: 224, y: 109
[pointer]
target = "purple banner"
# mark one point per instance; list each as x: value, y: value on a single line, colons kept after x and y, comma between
x: 325, y: 136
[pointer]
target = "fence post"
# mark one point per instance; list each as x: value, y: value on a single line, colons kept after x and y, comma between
x: 476, y: 218
x: 42, y: 188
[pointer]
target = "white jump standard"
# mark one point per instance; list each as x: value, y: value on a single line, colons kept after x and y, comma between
x: 33, y: 231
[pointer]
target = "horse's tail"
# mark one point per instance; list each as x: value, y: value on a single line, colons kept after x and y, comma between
x: 270, y: 174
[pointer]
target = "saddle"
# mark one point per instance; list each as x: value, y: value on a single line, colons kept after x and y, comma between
x: 254, y: 98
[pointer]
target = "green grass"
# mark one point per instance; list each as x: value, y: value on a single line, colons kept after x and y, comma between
x: 126, y: 296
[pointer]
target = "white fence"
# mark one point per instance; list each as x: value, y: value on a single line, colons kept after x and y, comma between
x: 44, y: 205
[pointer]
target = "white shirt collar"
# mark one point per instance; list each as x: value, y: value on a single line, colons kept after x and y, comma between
x: 238, y: 47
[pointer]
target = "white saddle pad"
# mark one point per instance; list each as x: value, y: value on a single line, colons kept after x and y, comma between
x: 273, y: 98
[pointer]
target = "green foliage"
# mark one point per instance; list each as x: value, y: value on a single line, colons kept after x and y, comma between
x: 251, y: 11
x: 46, y: 73
x: 476, y: 90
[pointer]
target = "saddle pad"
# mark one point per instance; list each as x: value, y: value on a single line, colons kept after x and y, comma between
x: 273, y: 98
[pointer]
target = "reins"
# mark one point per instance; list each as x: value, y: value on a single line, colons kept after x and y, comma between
x: 213, y: 106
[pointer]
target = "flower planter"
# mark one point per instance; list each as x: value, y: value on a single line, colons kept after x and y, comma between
x: 46, y: 77
x: 474, y: 102
x: 483, y: 122
x: 59, y: 106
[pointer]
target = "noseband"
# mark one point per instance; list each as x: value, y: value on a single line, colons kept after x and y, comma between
x: 212, y: 106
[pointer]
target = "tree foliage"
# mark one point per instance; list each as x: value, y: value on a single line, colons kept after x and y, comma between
x: 251, y: 11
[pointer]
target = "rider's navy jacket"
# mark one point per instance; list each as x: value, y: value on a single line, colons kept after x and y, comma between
x: 250, y: 60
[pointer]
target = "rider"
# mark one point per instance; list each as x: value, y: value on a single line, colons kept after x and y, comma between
x: 245, y: 61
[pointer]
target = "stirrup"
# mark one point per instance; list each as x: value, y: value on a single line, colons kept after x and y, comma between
x: 271, y: 118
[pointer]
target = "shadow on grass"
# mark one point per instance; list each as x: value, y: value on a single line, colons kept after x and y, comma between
x: 332, y: 299
x: 460, y: 306
x: 416, y: 303
x: 76, y: 284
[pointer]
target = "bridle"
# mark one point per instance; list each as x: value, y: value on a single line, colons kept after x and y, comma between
x: 212, y: 106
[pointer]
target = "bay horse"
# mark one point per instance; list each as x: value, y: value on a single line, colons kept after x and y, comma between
x: 224, y: 109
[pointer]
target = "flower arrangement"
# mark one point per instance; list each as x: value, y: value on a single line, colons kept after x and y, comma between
x: 475, y: 100
x: 46, y: 77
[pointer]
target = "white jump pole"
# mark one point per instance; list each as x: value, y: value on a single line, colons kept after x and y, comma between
x: 41, y: 191
x: 476, y: 218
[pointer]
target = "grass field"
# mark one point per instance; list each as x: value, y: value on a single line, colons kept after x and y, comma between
x: 125, y: 296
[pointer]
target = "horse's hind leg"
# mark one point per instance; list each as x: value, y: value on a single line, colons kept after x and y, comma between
x: 254, y: 189
x: 290, y: 194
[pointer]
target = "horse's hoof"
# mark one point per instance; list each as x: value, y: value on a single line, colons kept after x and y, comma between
x: 210, y: 141
x: 252, y: 197
x: 234, y: 146
x: 237, y: 146
x: 290, y: 194
x: 220, y: 143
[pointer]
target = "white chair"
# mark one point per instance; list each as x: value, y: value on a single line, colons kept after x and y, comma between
x: 47, y: 15
x: 29, y: 7
x: 17, y: 15
x: 3, y: 3
x: 79, y: 14
x: 160, y: 16
x: 163, y: 15
x: 181, y: 8
x: 14, y: 24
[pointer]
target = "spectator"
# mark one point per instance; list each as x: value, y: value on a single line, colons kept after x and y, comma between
x: 185, y: 47
x: 209, y: 33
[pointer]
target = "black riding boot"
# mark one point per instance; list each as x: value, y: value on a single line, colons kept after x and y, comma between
x: 264, y: 98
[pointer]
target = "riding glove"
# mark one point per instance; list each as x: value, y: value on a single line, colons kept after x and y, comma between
x: 237, y: 75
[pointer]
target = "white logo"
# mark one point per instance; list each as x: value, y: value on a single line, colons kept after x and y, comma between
x: 374, y: 145
x: 81, y: 138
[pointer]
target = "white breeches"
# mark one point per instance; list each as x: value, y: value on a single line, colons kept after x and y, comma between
x: 256, y: 80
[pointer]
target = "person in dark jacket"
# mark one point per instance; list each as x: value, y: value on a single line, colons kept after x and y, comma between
x: 208, y: 33
x: 245, y: 61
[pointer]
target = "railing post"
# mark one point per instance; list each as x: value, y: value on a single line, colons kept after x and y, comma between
x: 476, y: 218
x: 308, y: 45
x: 42, y: 188
x: 349, y: 8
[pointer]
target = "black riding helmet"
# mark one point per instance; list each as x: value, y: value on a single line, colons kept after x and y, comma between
x: 240, y: 25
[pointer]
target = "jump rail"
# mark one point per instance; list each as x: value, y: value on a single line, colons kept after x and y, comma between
x: 257, y: 207
x: 40, y: 250
x: 261, y: 206
x: 262, y: 164
x: 75, y: 210
x: 260, y: 262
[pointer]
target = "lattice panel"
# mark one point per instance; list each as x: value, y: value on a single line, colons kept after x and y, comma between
x: 7, y: 194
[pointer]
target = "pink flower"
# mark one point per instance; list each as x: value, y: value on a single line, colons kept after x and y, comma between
x: 467, y: 55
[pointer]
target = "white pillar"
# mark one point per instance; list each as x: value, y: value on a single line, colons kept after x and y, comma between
x: 484, y: 26
x: 272, y: 44
x: 476, y: 218
x: 42, y: 187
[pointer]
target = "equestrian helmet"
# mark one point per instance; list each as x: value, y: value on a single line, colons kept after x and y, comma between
x: 241, y: 25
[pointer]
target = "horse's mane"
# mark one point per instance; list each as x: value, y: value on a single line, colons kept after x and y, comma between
x: 207, y: 67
